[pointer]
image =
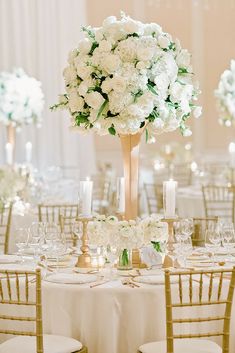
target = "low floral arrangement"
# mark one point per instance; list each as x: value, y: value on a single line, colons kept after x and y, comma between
x: 126, y: 76
x: 11, y: 183
x: 225, y: 94
x: 21, y: 99
x: 104, y: 230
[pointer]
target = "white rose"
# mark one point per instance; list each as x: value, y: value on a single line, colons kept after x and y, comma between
x: 141, y: 65
x: 163, y: 41
x: 111, y: 63
x: 99, y: 34
x: 84, y: 71
x: 109, y: 20
x: 197, y: 112
x: 152, y: 29
x: 94, y: 100
x: 183, y: 58
x: 106, y: 85
x: 69, y: 74
x: 63, y: 99
x: 83, y: 88
x: 145, y: 53
x: 118, y: 84
x: 187, y: 132
x: 84, y: 46
x: 72, y: 55
x: 131, y: 26
x: 75, y: 102
x: 105, y: 46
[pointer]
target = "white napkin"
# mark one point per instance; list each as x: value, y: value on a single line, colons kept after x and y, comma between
x: 150, y: 256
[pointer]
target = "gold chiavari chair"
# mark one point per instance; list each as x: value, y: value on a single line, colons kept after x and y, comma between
x: 51, y: 213
x: 66, y: 227
x: 186, y: 304
x: 102, y: 194
x: 183, y: 174
x: 154, y: 197
x: 200, y: 225
x: 219, y: 201
x: 5, y: 224
x: 22, y: 290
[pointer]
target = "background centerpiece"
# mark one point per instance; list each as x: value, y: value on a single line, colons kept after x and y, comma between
x: 21, y: 102
x: 225, y: 94
x: 125, y: 78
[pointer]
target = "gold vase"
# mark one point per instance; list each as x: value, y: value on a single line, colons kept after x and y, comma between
x: 11, y: 135
x: 130, y: 152
x: 11, y: 138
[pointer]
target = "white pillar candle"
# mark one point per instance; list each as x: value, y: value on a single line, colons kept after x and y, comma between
x: 86, y: 197
x: 9, y: 153
x: 121, y: 194
x: 169, y: 197
x: 28, y: 152
x: 231, y: 150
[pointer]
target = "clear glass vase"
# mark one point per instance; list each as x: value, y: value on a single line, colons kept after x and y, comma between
x: 125, y: 260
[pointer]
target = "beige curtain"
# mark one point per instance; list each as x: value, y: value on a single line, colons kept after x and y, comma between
x: 37, y: 36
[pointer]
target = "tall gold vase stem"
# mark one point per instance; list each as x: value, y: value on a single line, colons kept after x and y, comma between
x: 11, y: 135
x: 130, y: 150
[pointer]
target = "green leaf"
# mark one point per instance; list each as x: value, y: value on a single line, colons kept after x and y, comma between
x: 112, y: 130
x: 156, y: 246
x: 94, y: 45
x: 89, y: 32
x: 151, y: 89
x: 146, y: 135
x: 102, y: 108
x: 81, y: 118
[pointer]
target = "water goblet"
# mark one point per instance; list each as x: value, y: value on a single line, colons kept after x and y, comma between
x: 21, y: 241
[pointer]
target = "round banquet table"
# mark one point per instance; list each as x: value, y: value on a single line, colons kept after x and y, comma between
x: 110, y: 318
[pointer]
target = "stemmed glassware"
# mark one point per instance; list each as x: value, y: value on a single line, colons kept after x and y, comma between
x: 77, y: 230
x: 227, y: 237
x: 212, y: 240
x: 36, y: 234
x: 183, y: 228
x: 21, y: 240
x: 184, y: 248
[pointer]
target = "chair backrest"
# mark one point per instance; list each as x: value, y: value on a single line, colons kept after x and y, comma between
x: 5, y: 224
x: 183, y: 174
x: 202, y: 290
x: 200, y: 226
x: 154, y: 197
x: 22, y: 289
x: 66, y: 227
x: 101, y: 193
x: 51, y: 213
x: 219, y: 201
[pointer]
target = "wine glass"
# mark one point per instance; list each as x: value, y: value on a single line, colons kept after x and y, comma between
x: 111, y: 255
x: 36, y: 234
x: 183, y: 249
x: 21, y: 240
x: 58, y: 247
x: 212, y: 240
x: 77, y: 230
x: 228, y: 237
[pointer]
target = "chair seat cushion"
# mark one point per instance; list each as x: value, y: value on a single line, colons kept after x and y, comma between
x: 182, y: 346
x: 51, y: 344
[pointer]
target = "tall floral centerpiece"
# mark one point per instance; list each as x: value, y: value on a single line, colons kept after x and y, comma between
x: 126, y: 78
x: 225, y: 94
x: 21, y: 101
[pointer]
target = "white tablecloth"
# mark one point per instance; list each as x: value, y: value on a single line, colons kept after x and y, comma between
x: 110, y: 318
x: 190, y: 202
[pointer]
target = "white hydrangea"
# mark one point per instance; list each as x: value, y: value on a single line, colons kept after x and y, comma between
x: 130, y: 75
x: 21, y: 99
x: 225, y: 94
